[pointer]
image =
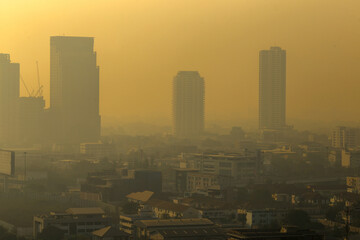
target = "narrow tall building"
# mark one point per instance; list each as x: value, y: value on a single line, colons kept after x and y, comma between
x: 272, y: 88
x: 188, y: 104
x: 9, y: 96
x: 74, y: 89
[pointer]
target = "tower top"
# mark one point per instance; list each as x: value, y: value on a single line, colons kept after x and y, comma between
x: 4, y: 58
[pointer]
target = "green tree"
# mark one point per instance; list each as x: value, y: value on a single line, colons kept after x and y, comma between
x: 261, y: 196
x: 298, y: 218
x: 355, y: 214
x: 130, y: 208
x: 332, y: 213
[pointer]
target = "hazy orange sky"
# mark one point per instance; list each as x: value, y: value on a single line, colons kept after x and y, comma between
x: 141, y: 44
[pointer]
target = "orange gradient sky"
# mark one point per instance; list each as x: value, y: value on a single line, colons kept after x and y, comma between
x: 141, y: 44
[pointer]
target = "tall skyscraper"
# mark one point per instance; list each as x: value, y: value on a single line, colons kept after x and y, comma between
x: 188, y: 104
x: 31, y: 119
x: 74, y: 89
x: 272, y: 88
x: 9, y: 96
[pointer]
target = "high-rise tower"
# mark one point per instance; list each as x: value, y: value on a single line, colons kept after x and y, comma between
x: 74, y: 89
x: 188, y: 104
x: 9, y: 96
x: 272, y: 88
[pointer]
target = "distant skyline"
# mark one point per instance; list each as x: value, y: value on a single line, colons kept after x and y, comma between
x: 141, y: 44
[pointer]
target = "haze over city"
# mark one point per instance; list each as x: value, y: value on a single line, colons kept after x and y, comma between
x: 179, y: 119
x: 142, y: 44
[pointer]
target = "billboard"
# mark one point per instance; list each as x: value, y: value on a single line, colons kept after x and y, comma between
x: 7, y: 163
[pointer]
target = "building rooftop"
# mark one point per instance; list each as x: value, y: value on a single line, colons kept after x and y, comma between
x: 84, y: 211
x: 272, y: 234
x: 161, y: 204
x: 175, y: 222
x: 229, y: 156
x: 198, y: 232
x: 109, y: 232
x: 4, y: 58
x: 140, y: 196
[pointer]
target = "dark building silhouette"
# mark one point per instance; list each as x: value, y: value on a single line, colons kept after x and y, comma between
x: 188, y: 104
x: 114, y: 186
x: 272, y: 88
x: 148, y: 180
x: 74, y: 89
x: 31, y: 119
x: 9, y: 99
x: 286, y: 233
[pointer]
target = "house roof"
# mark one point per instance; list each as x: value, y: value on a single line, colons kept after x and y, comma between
x: 109, y: 232
x: 140, y: 196
x: 85, y: 211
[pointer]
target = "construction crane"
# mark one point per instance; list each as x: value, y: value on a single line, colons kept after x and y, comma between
x: 39, y: 92
x: 23, y: 82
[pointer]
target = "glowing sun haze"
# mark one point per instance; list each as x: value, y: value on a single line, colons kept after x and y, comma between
x: 141, y: 44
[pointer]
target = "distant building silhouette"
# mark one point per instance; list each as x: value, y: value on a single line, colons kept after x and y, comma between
x: 188, y: 104
x: 31, y: 119
x: 74, y: 89
x: 272, y: 88
x: 9, y: 99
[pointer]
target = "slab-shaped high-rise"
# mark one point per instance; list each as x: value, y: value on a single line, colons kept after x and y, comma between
x: 9, y: 96
x: 188, y: 104
x: 272, y: 88
x: 74, y: 89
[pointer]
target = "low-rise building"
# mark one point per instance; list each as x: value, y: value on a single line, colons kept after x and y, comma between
x: 110, y: 233
x: 281, y: 197
x: 264, y: 217
x: 286, y: 233
x: 140, y: 197
x: 181, y: 178
x: 344, y: 137
x: 165, y: 209
x: 353, y: 184
x: 73, y: 221
x: 350, y: 159
x: 313, y: 199
x: 213, y: 209
x: 146, y: 229
x: 97, y: 149
x: 344, y: 198
x: 334, y: 157
x: 113, y: 186
x: 127, y: 222
x: 285, y: 152
x: 200, y: 233
x: 204, y: 181
x: 241, y: 167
